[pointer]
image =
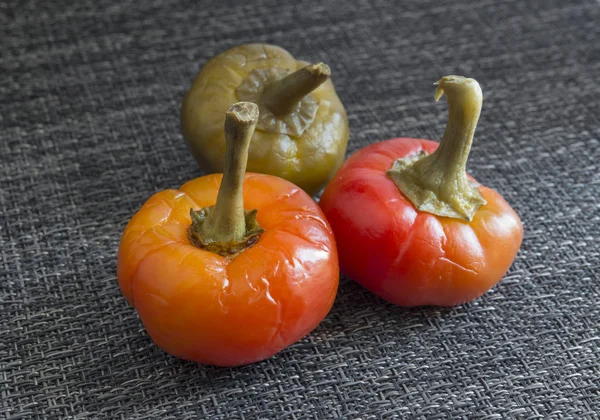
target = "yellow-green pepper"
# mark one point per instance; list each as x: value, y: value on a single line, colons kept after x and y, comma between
x: 302, y: 132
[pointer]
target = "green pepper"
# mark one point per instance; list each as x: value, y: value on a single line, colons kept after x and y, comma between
x: 302, y: 132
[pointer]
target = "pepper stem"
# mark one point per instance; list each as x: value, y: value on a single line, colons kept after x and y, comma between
x: 282, y: 97
x: 226, y: 228
x: 438, y: 183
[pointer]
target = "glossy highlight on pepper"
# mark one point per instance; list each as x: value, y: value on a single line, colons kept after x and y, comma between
x: 411, y: 225
x: 302, y: 131
x: 253, y: 272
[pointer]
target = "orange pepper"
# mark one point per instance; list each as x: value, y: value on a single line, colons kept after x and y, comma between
x: 206, y: 294
x: 411, y: 225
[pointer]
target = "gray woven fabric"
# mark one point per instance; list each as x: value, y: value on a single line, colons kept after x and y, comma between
x: 90, y: 94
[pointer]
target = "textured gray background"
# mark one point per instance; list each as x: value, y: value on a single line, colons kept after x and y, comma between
x: 89, y: 96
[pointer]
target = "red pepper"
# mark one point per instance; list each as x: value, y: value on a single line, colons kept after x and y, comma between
x: 411, y: 225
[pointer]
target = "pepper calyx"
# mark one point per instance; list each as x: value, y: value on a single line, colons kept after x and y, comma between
x: 425, y: 199
x: 231, y: 248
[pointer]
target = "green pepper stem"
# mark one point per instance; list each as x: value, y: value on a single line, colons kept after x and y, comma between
x: 226, y: 222
x: 464, y: 107
x: 438, y: 183
x: 283, y: 96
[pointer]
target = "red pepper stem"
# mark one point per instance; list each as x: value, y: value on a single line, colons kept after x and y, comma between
x: 438, y: 183
x: 282, y: 97
x: 464, y: 108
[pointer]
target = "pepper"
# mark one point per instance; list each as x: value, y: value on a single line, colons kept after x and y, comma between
x: 411, y: 225
x: 229, y: 269
x: 302, y: 132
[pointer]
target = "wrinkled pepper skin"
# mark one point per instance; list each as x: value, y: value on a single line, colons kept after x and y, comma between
x: 408, y: 257
x: 201, y: 306
x: 308, y: 161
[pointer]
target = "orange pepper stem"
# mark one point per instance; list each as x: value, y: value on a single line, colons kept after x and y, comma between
x: 437, y: 183
x: 226, y: 228
x: 282, y: 97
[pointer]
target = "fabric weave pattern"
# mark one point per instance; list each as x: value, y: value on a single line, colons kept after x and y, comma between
x: 90, y: 94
